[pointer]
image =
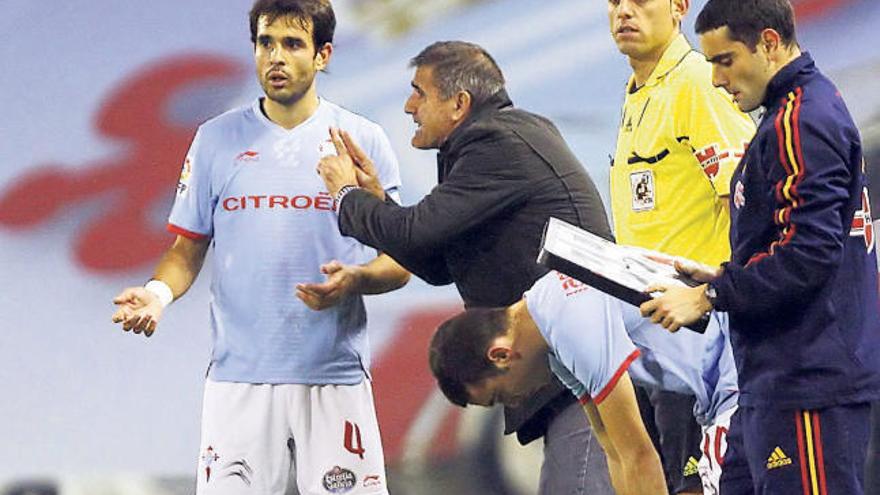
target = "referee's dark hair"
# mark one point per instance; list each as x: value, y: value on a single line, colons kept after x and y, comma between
x: 318, y: 13
x: 747, y: 19
x: 461, y: 66
x: 457, y: 354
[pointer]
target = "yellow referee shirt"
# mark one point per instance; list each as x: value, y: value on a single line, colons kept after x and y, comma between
x: 679, y: 140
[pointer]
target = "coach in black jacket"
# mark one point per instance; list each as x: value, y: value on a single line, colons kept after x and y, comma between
x: 502, y: 173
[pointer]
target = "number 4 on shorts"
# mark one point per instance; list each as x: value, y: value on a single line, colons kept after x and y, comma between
x: 352, y: 442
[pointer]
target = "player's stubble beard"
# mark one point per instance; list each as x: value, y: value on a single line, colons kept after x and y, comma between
x: 298, y: 88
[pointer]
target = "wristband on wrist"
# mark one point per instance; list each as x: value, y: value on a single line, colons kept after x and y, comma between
x: 161, y: 290
x: 342, y: 192
x: 711, y: 294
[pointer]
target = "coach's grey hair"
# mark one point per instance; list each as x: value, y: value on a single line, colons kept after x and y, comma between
x: 461, y: 66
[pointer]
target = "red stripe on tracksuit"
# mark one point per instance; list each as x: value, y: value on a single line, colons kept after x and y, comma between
x: 820, y: 458
x: 791, y: 202
x: 802, y: 452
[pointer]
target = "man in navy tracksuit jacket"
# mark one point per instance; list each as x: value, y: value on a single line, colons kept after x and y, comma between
x: 801, y: 285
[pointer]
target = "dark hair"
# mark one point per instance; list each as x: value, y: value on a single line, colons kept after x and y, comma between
x: 461, y: 66
x: 317, y: 12
x: 746, y: 19
x: 458, y: 350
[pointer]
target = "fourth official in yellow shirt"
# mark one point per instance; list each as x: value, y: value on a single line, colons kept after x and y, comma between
x: 679, y: 140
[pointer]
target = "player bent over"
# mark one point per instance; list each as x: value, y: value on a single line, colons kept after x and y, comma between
x: 598, y: 346
x: 287, y: 385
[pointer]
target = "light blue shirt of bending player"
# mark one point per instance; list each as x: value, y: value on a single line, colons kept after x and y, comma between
x: 592, y: 337
x: 251, y: 186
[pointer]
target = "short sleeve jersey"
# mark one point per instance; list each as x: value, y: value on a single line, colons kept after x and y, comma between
x: 594, y: 338
x: 251, y: 186
x: 680, y: 139
x: 585, y: 332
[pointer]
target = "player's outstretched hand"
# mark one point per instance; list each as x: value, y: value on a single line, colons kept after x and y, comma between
x: 342, y: 280
x: 675, y: 307
x: 138, y: 309
x: 367, y: 176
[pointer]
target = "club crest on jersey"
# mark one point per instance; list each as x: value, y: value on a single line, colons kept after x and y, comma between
x: 739, y: 195
x: 339, y: 480
x: 326, y: 148
x: 287, y: 152
x: 185, y: 174
x: 642, y: 184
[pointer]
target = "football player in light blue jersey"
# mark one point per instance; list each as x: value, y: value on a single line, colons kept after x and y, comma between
x: 288, y: 382
x: 598, y: 346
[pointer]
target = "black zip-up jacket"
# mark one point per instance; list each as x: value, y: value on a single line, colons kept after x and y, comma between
x: 502, y: 174
x: 801, y: 286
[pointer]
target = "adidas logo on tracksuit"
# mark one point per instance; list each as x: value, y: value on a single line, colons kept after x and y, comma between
x: 778, y: 459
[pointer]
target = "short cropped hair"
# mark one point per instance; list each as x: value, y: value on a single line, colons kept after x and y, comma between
x: 457, y: 354
x: 461, y: 66
x: 746, y: 19
x: 317, y: 12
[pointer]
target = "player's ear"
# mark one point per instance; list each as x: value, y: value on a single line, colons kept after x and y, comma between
x: 500, y: 353
x: 322, y: 56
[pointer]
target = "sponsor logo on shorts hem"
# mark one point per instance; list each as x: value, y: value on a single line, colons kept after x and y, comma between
x: 372, y: 480
x: 339, y: 480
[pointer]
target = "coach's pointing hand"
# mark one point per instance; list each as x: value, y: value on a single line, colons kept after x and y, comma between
x: 337, y: 171
x: 350, y: 166
x: 367, y: 176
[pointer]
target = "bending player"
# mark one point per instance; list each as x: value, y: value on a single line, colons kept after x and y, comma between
x: 598, y: 346
x: 287, y: 384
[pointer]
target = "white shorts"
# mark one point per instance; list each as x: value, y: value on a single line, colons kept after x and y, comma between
x: 254, y: 436
x: 714, y: 446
